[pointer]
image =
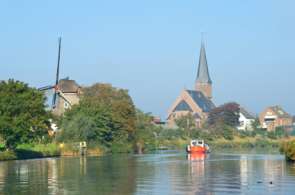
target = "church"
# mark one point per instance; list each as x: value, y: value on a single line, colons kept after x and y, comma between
x: 197, y: 102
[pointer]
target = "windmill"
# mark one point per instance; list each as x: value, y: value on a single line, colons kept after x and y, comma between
x: 57, y: 91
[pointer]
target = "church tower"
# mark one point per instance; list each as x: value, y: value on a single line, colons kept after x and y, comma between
x: 203, y: 80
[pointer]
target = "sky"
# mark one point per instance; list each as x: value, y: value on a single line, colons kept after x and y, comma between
x: 151, y: 47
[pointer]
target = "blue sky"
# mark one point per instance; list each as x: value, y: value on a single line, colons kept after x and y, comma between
x: 151, y: 47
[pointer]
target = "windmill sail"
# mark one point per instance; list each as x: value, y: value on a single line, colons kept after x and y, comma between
x: 57, y: 74
x: 55, y: 86
x: 46, y: 88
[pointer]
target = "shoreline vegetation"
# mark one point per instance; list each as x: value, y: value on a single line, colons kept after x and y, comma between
x: 108, y: 121
x: 288, y: 148
x: 32, y: 151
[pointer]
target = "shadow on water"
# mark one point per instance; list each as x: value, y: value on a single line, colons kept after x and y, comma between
x: 27, y: 154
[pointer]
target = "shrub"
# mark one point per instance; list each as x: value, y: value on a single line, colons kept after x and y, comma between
x: 228, y: 133
x: 288, y: 148
x: 7, y: 155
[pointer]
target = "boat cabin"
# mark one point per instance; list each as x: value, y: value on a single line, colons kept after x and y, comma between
x: 197, y: 143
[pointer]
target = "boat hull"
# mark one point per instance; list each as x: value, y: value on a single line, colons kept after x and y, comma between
x: 196, y: 149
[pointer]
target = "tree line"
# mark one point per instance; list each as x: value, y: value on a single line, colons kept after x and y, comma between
x: 105, y: 116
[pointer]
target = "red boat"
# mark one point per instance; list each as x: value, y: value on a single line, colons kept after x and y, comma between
x: 197, y: 146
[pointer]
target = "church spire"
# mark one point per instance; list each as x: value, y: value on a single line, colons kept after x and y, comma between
x: 203, y: 80
x: 203, y: 72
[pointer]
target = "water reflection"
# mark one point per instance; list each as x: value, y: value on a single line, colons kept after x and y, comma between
x: 168, y: 173
x: 197, y: 173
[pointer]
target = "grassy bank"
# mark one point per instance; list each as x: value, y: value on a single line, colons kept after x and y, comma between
x: 221, y: 143
x: 288, y: 148
x: 72, y: 149
x: 28, y: 151
x: 247, y: 142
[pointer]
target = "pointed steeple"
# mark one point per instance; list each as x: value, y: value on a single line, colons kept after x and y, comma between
x: 203, y: 81
x: 203, y: 72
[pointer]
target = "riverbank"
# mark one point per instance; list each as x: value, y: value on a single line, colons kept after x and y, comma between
x: 221, y: 143
x: 31, y: 151
x: 288, y: 148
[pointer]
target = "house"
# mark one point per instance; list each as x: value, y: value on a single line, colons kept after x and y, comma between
x: 197, y: 102
x: 273, y: 117
x: 68, y: 95
x: 246, y: 119
x: 156, y: 120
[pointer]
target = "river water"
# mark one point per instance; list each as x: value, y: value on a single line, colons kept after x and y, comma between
x: 161, y: 173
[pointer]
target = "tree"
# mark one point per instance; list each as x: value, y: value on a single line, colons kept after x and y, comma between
x: 105, y: 114
x: 187, y: 123
x: 227, y: 114
x: 23, y: 117
x: 145, y: 136
x: 223, y: 120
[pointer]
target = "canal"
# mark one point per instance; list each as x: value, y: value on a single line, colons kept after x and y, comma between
x: 169, y: 172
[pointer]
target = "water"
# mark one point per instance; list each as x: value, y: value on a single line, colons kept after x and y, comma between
x: 165, y: 173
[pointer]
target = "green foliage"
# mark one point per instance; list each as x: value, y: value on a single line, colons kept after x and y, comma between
x: 246, y: 143
x: 227, y: 114
x: 260, y: 132
x: 27, y: 151
x: 279, y: 132
x: 39, y: 150
x: 170, y: 134
x: 187, y: 123
x: 23, y: 117
x: 271, y: 135
x: 105, y: 115
x: 121, y: 147
x: 228, y: 132
x: 2, y: 147
x: 288, y: 148
x: 256, y: 125
x: 7, y: 155
x: 146, y: 134
x: 244, y: 134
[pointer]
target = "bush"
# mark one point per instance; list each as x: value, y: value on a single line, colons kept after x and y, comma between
x: 228, y: 133
x: 120, y: 147
x: 40, y: 150
x: 171, y: 134
x: 271, y: 135
x: 288, y: 148
x: 244, y: 134
x: 7, y: 155
x: 260, y: 132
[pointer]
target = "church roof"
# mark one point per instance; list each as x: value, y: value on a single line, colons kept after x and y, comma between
x: 203, y: 72
x: 182, y: 106
x: 203, y: 102
x: 68, y: 86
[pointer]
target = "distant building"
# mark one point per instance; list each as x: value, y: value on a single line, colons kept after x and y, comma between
x: 69, y: 95
x: 156, y: 120
x: 246, y: 119
x: 273, y: 117
x: 197, y: 102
